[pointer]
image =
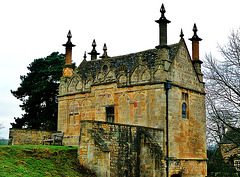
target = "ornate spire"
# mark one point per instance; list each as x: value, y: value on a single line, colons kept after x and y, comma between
x: 94, y: 53
x: 94, y: 44
x: 162, y: 27
x: 68, y: 69
x: 68, y: 45
x: 162, y: 19
x: 195, y: 43
x: 69, y: 35
x: 181, y: 34
x: 104, y: 51
x: 195, y: 36
x: 195, y: 52
x: 104, y: 47
x: 162, y: 10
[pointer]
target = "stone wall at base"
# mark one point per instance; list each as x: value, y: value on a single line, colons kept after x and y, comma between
x: 112, y: 149
x: 188, y: 167
x: 27, y: 136
x: 70, y: 140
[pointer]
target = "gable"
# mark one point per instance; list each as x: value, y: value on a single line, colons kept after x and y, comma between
x: 182, y: 71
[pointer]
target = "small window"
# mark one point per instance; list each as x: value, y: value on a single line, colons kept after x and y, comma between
x: 184, y: 105
x: 105, y: 68
x: 184, y: 96
x: 184, y: 110
x: 110, y: 114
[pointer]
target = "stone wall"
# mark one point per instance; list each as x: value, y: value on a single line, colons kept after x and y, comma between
x: 71, y: 140
x: 27, y: 136
x: 188, y: 167
x: 112, y: 149
x: 230, y: 150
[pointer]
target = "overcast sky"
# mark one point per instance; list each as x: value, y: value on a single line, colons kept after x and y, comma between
x: 34, y: 29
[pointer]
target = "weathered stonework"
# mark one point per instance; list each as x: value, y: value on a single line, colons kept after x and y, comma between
x: 106, y: 103
x: 121, y: 150
x: 230, y: 149
x: 27, y: 136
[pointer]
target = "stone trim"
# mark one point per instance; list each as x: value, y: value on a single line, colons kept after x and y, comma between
x: 28, y: 136
x: 176, y: 85
x: 190, y: 159
x: 118, y: 124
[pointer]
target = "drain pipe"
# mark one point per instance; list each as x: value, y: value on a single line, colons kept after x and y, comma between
x: 167, y: 86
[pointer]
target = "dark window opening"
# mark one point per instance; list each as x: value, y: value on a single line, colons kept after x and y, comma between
x: 184, y: 110
x: 176, y: 175
x: 110, y: 114
x: 184, y: 96
x: 105, y: 68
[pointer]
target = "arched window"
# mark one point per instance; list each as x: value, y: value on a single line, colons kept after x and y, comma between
x: 184, y: 110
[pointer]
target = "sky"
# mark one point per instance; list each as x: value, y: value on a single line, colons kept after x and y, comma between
x: 34, y: 29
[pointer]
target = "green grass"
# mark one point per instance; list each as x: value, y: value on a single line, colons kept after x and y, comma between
x: 38, y: 161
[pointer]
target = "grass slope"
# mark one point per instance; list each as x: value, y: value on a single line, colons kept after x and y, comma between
x: 38, y: 161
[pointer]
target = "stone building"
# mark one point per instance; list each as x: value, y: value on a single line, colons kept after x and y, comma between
x: 141, y: 114
x: 230, y: 149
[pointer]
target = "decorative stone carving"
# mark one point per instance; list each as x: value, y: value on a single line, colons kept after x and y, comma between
x: 146, y: 76
x: 135, y: 75
x: 73, y: 84
x: 110, y: 76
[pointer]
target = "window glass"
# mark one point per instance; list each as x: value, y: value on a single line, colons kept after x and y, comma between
x: 184, y: 110
x: 110, y: 114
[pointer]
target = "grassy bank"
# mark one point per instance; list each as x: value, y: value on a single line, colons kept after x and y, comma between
x: 38, y: 161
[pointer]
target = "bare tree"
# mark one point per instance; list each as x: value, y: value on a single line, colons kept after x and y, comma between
x: 223, y: 89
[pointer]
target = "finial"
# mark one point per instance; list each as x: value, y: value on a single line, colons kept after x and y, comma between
x: 94, y: 53
x: 162, y: 18
x: 69, y: 43
x: 195, y: 29
x: 162, y: 10
x: 104, y: 51
x: 94, y: 43
x: 162, y: 28
x: 105, y: 47
x: 181, y: 34
x: 69, y: 35
x: 195, y: 36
